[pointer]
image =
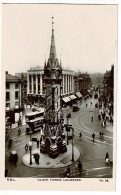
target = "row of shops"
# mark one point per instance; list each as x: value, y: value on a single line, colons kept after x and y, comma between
x: 71, y: 99
x: 66, y: 100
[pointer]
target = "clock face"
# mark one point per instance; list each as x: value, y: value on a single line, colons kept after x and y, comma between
x: 57, y: 73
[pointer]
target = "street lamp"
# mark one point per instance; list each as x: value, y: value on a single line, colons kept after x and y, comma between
x: 67, y: 128
x: 72, y: 144
x: 30, y: 133
x: 30, y: 148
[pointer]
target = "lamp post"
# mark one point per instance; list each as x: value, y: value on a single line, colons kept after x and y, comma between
x: 67, y: 129
x: 30, y: 148
x: 72, y: 144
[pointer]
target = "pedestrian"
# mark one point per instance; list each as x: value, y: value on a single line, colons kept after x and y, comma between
x: 106, y: 156
x: 100, y: 135
x: 38, y: 157
x: 68, y: 171
x: 92, y: 118
x: 15, y: 159
x: 10, y: 125
x: 30, y: 106
x: 99, y: 117
x: 86, y: 105
x: 37, y: 143
x: 40, y: 140
x: 26, y: 147
x: 80, y: 135
x: 19, y: 121
x: 19, y: 131
x: 80, y: 166
x: 93, y: 136
x: 10, y: 143
x: 105, y: 122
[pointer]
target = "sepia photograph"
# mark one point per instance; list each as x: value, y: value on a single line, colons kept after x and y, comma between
x: 59, y: 62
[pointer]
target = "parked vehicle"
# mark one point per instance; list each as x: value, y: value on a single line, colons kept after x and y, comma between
x: 75, y: 108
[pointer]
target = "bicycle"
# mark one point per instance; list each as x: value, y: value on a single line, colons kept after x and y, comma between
x: 65, y: 175
x: 81, y: 171
x: 10, y: 143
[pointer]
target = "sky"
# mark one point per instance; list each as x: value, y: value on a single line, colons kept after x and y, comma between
x: 85, y: 36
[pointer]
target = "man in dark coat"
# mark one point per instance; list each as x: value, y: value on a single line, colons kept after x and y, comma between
x: 93, y: 136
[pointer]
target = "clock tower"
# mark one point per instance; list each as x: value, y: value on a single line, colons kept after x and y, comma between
x: 53, y: 137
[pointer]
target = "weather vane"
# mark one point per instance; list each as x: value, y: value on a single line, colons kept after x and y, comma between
x: 52, y: 22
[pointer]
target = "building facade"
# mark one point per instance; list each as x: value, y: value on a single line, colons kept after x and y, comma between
x: 13, y: 98
x: 36, y: 84
x: 23, y: 77
x: 82, y: 83
x: 108, y: 82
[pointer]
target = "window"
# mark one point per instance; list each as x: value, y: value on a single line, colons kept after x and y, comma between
x: 16, y: 94
x: 7, y: 85
x: 16, y: 86
x: 7, y: 96
x: 8, y: 106
x: 16, y: 105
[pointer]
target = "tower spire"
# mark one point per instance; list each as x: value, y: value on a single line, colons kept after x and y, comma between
x: 52, y: 46
x: 52, y: 23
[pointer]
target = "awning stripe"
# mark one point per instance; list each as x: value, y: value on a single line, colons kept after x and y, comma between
x: 66, y: 99
x: 73, y: 97
x: 79, y: 94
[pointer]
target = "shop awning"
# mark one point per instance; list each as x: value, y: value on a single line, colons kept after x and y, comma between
x: 78, y: 94
x: 73, y: 97
x: 66, y: 99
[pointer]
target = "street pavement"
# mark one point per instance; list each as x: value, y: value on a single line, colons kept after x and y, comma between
x: 45, y: 161
x: 92, y: 154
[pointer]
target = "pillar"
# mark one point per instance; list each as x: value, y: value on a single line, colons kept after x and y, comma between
x: 36, y: 84
x: 63, y: 83
x: 32, y: 83
x: 41, y: 84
